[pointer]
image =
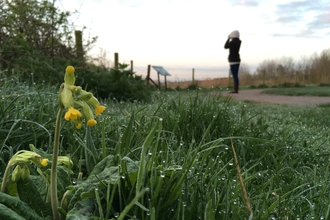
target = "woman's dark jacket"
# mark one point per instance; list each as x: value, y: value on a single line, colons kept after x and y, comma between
x: 233, y: 46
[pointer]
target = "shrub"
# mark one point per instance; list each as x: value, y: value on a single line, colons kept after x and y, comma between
x: 261, y: 86
x: 193, y: 87
x: 36, y: 38
x: 119, y: 84
x: 324, y: 84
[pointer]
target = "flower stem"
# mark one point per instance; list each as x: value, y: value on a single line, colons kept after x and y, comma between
x: 53, y: 176
x: 4, y: 179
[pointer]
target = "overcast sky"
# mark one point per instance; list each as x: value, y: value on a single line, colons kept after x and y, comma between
x: 184, y: 34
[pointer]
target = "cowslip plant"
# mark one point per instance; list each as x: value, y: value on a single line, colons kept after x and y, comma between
x: 79, y: 105
x: 22, y: 159
x: 74, y: 100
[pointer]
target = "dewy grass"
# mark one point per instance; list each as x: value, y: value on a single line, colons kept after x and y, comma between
x: 187, y: 166
x: 300, y: 91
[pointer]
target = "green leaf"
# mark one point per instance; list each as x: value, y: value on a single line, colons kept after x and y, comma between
x: 8, y: 214
x: 91, y: 156
x: 12, y: 188
x: 33, y: 192
x: 20, y: 207
x: 209, y: 213
x: 143, y: 160
x: 75, y: 198
x: 83, y: 209
x: 63, y: 180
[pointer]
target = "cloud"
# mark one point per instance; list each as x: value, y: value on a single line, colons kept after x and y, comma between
x: 248, y: 3
x: 304, y: 18
x: 287, y: 19
x: 321, y: 21
x: 296, y: 7
x: 299, y: 33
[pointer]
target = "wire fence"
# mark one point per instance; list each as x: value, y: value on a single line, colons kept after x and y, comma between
x: 178, y: 74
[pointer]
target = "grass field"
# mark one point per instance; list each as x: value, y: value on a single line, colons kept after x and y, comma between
x: 171, y: 158
x: 301, y: 91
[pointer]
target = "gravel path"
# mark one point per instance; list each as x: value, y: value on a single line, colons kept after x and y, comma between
x: 256, y: 96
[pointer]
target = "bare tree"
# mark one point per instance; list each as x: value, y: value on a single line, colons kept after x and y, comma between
x: 267, y: 71
x: 245, y: 74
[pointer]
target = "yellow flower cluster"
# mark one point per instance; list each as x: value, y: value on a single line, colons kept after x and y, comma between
x: 78, y: 102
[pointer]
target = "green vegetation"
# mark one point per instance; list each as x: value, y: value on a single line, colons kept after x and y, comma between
x: 300, y: 91
x: 119, y: 84
x: 286, y: 70
x: 170, y: 158
x: 151, y: 155
x: 37, y: 41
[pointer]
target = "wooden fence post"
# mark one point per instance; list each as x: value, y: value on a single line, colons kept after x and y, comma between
x: 148, y: 75
x: 193, y: 76
x: 165, y: 82
x: 79, y: 47
x: 158, y: 80
x: 116, y: 60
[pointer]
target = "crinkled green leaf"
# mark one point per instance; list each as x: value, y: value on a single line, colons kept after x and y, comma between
x: 33, y: 192
x: 12, y: 188
x: 82, y: 210
x: 8, y: 214
x: 20, y: 207
x: 104, y: 172
x: 76, y: 197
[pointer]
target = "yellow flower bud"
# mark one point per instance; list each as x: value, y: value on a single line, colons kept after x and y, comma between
x: 65, y: 161
x: 87, y: 112
x: 99, y: 109
x: 78, y: 124
x: 85, y: 95
x: 91, y: 122
x: 93, y: 102
x: 66, y: 97
x: 69, y: 70
x: 25, y: 172
x: 17, y: 173
x: 44, y: 162
x: 69, y: 77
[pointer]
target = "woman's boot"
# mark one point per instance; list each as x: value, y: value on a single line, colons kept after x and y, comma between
x: 236, y: 88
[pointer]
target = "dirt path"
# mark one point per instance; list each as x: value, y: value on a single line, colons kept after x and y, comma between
x: 256, y: 96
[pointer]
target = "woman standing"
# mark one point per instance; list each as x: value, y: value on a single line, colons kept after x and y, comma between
x: 233, y: 43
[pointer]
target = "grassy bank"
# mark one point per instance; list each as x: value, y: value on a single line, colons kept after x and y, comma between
x: 172, y: 158
x: 300, y: 91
